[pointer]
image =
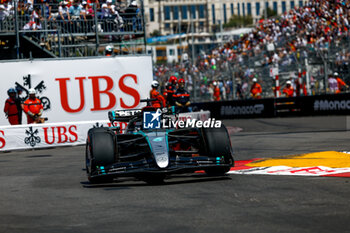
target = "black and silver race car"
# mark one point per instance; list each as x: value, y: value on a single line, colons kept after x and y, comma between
x: 152, y: 154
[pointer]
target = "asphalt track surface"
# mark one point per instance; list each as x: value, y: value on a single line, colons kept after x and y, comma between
x: 47, y: 190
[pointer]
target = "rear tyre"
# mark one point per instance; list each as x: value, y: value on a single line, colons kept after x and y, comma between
x: 217, y: 143
x: 100, y: 151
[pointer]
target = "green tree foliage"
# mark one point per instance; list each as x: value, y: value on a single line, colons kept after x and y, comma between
x: 155, y: 33
x: 239, y: 21
x: 270, y: 13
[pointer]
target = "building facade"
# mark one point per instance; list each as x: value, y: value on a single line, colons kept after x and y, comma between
x: 179, y: 16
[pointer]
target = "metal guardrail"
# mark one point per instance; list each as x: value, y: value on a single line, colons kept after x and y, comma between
x: 67, y: 37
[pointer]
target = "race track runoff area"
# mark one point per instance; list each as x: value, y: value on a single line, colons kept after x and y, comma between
x: 290, y: 176
x: 318, y: 163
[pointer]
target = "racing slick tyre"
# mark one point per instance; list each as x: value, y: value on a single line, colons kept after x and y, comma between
x: 100, y: 151
x: 217, y: 144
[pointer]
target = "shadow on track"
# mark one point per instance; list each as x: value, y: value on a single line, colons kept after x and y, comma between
x: 133, y: 182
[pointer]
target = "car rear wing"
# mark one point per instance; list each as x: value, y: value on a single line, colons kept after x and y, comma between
x: 123, y: 115
x: 132, y: 114
x: 127, y: 115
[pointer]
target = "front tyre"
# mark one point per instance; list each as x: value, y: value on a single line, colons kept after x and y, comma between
x: 217, y: 144
x: 100, y: 151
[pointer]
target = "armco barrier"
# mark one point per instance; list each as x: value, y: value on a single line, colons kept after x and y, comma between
x: 46, y: 135
x: 336, y: 104
x: 61, y: 134
x: 239, y: 108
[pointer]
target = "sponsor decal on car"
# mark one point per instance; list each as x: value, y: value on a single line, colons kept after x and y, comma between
x: 126, y: 112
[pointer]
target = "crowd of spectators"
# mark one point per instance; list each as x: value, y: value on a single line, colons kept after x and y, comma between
x: 73, y: 15
x: 319, y: 29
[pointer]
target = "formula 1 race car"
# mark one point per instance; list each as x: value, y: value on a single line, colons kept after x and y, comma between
x: 150, y: 154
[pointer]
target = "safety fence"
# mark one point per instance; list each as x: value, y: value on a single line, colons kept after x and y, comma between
x: 65, y: 35
x: 307, y: 67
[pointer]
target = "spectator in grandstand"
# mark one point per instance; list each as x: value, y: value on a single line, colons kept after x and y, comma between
x: 36, y: 14
x: 3, y: 15
x: 89, y: 8
x: 288, y: 90
x: 63, y: 12
x: 228, y: 89
x: 11, y: 109
x: 342, y: 86
x: 113, y: 21
x: 239, y: 92
x: 130, y: 17
x: 255, y: 90
x: 216, y: 92
x: 159, y: 100
x: 86, y: 10
x: 222, y: 87
x: 33, y: 108
x: 109, y: 9
x: 92, y: 2
x: 182, y: 97
x: 46, y: 9
x: 53, y: 9
x: 211, y: 91
x: 294, y: 36
x: 332, y: 84
x: 120, y: 5
x: 33, y: 25
x: 77, y: 14
x: 76, y: 11
x: 4, y: 11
